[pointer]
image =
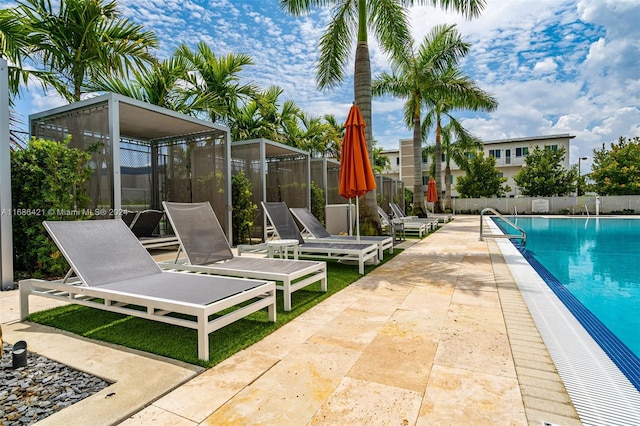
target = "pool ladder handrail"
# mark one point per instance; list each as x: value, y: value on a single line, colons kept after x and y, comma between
x: 522, y: 236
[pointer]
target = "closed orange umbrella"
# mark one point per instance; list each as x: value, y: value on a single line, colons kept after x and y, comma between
x: 356, y: 174
x: 432, y: 191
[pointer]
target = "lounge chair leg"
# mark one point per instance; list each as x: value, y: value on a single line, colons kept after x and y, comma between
x: 25, y: 291
x: 286, y: 292
x: 272, y: 307
x: 203, y: 338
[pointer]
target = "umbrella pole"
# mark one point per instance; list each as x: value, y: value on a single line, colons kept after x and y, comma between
x: 357, y: 219
x: 350, y: 219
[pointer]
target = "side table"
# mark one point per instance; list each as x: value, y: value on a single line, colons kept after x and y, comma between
x: 282, y: 247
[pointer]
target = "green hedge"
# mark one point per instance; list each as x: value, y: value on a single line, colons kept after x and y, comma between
x: 48, y: 182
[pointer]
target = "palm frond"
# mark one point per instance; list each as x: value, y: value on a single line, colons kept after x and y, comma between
x: 336, y: 44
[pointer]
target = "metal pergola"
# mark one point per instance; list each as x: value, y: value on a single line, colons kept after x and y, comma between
x: 143, y: 154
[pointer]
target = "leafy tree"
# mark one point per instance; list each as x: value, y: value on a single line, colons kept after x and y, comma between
x: 457, y: 145
x: 381, y: 162
x: 543, y: 174
x: 85, y: 40
x: 617, y: 171
x: 49, y: 181
x: 481, y: 178
x: 468, y: 96
x: 317, y: 202
x: 320, y: 136
x: 15, y: 42
x: 430, y: 79
x: 16, y: 46
x: 244, y: 209
x: 307, y: 133
x: 263, y: 117
x: 351, y: 22
x: 162, y: 84
x: 217, y: 78
x: 415, y: 74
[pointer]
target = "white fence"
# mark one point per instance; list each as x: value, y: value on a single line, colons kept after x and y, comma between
x: 588, y: 204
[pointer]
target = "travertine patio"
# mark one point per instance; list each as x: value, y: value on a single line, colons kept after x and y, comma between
x: 438, y: 335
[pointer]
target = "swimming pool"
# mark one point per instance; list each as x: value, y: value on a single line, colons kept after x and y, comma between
x: 597, y: 260
x: 571, y: 269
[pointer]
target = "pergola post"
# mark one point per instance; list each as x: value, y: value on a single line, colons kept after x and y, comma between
x: 6, y: 231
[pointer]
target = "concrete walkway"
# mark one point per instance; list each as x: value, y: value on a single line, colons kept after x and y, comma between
x: 439, y: 335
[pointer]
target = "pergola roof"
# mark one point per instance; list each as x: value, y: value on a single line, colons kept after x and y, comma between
x: 140, y: 120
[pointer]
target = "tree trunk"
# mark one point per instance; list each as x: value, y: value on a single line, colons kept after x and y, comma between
x: 418, y: 194
x: 447, y: 185
x: 369, y: 219
x: 437, y: 206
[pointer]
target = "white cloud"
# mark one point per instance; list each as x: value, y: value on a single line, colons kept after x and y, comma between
x: 556, y: 66
x: 546, y: 66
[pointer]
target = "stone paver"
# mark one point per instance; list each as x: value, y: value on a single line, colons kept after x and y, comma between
x: 438, y: 335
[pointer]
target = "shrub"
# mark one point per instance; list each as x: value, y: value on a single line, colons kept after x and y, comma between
x: 317, y: 202
x: 243, y: 208
x: 48, y: 182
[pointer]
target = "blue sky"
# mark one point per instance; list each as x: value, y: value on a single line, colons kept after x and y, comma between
x: 555, y: 66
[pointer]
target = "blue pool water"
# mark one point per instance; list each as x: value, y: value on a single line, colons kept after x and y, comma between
x: 598, y: 261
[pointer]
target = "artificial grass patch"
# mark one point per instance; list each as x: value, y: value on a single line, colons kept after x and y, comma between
x: 180, y: 343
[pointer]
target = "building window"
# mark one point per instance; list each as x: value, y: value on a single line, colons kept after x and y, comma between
x: 495, y: 153
x: 522, y: 152
x: 398, y: 161
x: 553, y: 148
x: 507, y: 155
x: 425, y: 180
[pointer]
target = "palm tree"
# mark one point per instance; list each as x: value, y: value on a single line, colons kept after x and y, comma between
x: 320, y: 136
x: 248, y: 124
x: 417, y: 76
x: 16, y: 45
x: 333, y: 136
x: 352, y: 20
x: 161, y: 84
x: 85, y: 40
x: 218, y: 76
x: 457, y: 145
x: 15, y: 42
x: 462, y: 94
x: 263, y: 117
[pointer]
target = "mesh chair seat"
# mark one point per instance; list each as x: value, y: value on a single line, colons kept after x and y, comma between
x: 117, y: 274
x: 319, y: 232
x: 286, y: 228
x: 207, y: 250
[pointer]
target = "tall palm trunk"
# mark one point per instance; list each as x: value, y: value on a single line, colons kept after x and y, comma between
x: 418, y: 196
x: 447, y: 185
x: 370, y: 221
x: 437, y: 206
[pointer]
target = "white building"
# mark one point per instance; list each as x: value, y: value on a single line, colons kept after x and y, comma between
x: 509, y: 155
x: 394, y: 163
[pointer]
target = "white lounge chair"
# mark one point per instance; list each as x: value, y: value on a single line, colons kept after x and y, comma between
x: 144, y: 225
x: 207, y: 250
x: 115, y: 273
x: 406, y: 227
x: 285, y: 226
x: 436, y: 219
x: 312, y: 226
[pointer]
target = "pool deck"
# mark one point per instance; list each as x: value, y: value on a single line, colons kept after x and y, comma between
x: 438, y: 335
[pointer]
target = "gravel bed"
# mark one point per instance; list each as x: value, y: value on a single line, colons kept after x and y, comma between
x: 31, y: 393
